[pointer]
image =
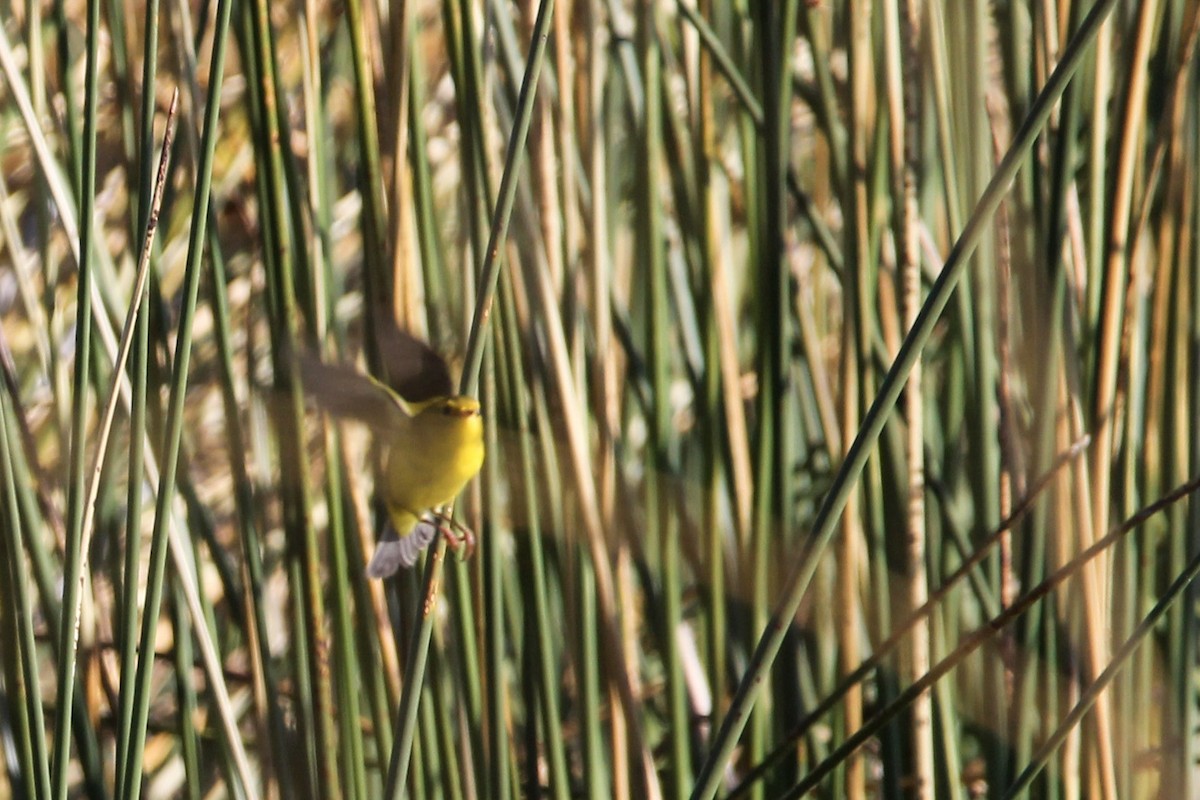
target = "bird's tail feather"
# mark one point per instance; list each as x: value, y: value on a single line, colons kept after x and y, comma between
x: 394, y: 552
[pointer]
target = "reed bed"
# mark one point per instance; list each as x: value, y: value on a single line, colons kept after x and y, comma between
x: 841, y: 372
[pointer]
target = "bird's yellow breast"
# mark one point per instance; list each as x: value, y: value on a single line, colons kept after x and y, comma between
x: 433, y: 456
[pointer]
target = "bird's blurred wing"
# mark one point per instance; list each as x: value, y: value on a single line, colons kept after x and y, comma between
x: 346, y: 393
x: 415, y: 371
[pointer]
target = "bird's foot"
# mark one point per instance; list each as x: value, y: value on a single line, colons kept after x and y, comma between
x: 459, y: 537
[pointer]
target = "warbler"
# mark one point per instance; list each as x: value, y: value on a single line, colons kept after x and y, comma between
x: 434, y: 440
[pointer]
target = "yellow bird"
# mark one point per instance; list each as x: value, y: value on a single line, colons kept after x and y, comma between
x: 434, y: 439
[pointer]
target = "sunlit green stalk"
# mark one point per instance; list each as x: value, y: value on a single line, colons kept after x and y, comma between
x: 68, y: 632
x: 377, y: 281
x: 547, y: 676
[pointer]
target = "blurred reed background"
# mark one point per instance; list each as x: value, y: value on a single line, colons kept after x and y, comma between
x: 840, y: 362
